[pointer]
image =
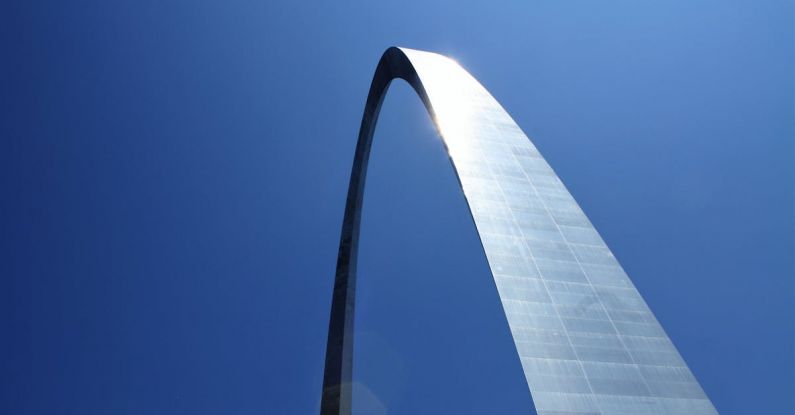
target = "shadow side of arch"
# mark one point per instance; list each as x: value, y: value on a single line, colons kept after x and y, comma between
x: 337, y: 388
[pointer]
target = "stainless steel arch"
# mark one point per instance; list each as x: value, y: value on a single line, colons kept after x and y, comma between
x: 587, y: 341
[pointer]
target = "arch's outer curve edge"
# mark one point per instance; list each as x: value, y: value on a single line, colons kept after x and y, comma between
x: 587, y: 341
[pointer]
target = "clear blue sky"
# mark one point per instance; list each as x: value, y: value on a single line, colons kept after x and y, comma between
x: 173, y: 175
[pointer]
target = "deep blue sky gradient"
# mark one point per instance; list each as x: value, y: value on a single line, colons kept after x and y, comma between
x: 173, y: 175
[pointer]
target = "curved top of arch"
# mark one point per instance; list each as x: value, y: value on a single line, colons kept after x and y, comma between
x: 587, y: 341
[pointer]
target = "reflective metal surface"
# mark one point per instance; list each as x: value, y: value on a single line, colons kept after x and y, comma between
x: 587, y: 341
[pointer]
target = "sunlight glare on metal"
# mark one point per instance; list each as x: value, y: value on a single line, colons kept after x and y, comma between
x: 453, y: 106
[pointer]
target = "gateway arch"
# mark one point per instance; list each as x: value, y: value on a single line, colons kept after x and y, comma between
x: 587, y: 341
